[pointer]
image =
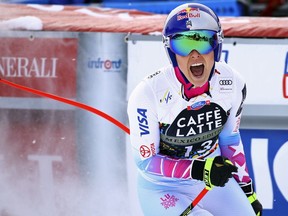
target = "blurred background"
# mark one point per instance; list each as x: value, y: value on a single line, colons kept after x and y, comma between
x: 62, y: 160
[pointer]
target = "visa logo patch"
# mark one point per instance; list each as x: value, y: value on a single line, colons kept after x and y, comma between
x: 143, y: 122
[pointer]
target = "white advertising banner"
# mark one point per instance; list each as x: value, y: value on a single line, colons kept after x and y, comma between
x: 263, y: 64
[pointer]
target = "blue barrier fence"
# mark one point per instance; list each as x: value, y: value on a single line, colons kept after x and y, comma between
x: 266, y: 152
x: 221, y: 7
x: 57, y: 2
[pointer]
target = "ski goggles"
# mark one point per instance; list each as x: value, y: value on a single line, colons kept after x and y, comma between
x: 204, y: 41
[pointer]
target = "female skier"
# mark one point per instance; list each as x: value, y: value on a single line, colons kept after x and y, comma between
x: 184, y: 122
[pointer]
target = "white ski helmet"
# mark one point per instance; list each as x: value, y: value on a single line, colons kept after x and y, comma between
x: 190, y: 17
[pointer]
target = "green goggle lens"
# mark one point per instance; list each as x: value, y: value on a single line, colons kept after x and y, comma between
x: 204, y: 41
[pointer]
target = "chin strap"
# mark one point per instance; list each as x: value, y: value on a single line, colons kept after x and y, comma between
x: 188, y: 91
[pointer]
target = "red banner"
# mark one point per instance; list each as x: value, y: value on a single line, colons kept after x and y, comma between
x: 46, y: 64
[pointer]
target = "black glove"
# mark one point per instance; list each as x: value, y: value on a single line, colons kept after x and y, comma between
x: 251, y: 195
x: 213, y: 171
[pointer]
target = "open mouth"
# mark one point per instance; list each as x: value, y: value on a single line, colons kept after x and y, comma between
x: 197, y: 69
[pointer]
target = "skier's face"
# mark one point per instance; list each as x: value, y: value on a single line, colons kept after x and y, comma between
x: 196, y: 67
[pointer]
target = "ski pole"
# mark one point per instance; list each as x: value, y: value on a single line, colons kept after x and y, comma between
x: 194, y: 202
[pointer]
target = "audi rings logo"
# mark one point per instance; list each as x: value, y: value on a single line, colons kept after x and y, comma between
x: 225, y: 82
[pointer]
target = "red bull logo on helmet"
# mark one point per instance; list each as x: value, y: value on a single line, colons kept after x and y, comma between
x: 188, y: 13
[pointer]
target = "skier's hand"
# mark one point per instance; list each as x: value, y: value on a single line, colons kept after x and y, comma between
x: 213, y: 171
x: 251, y: 195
